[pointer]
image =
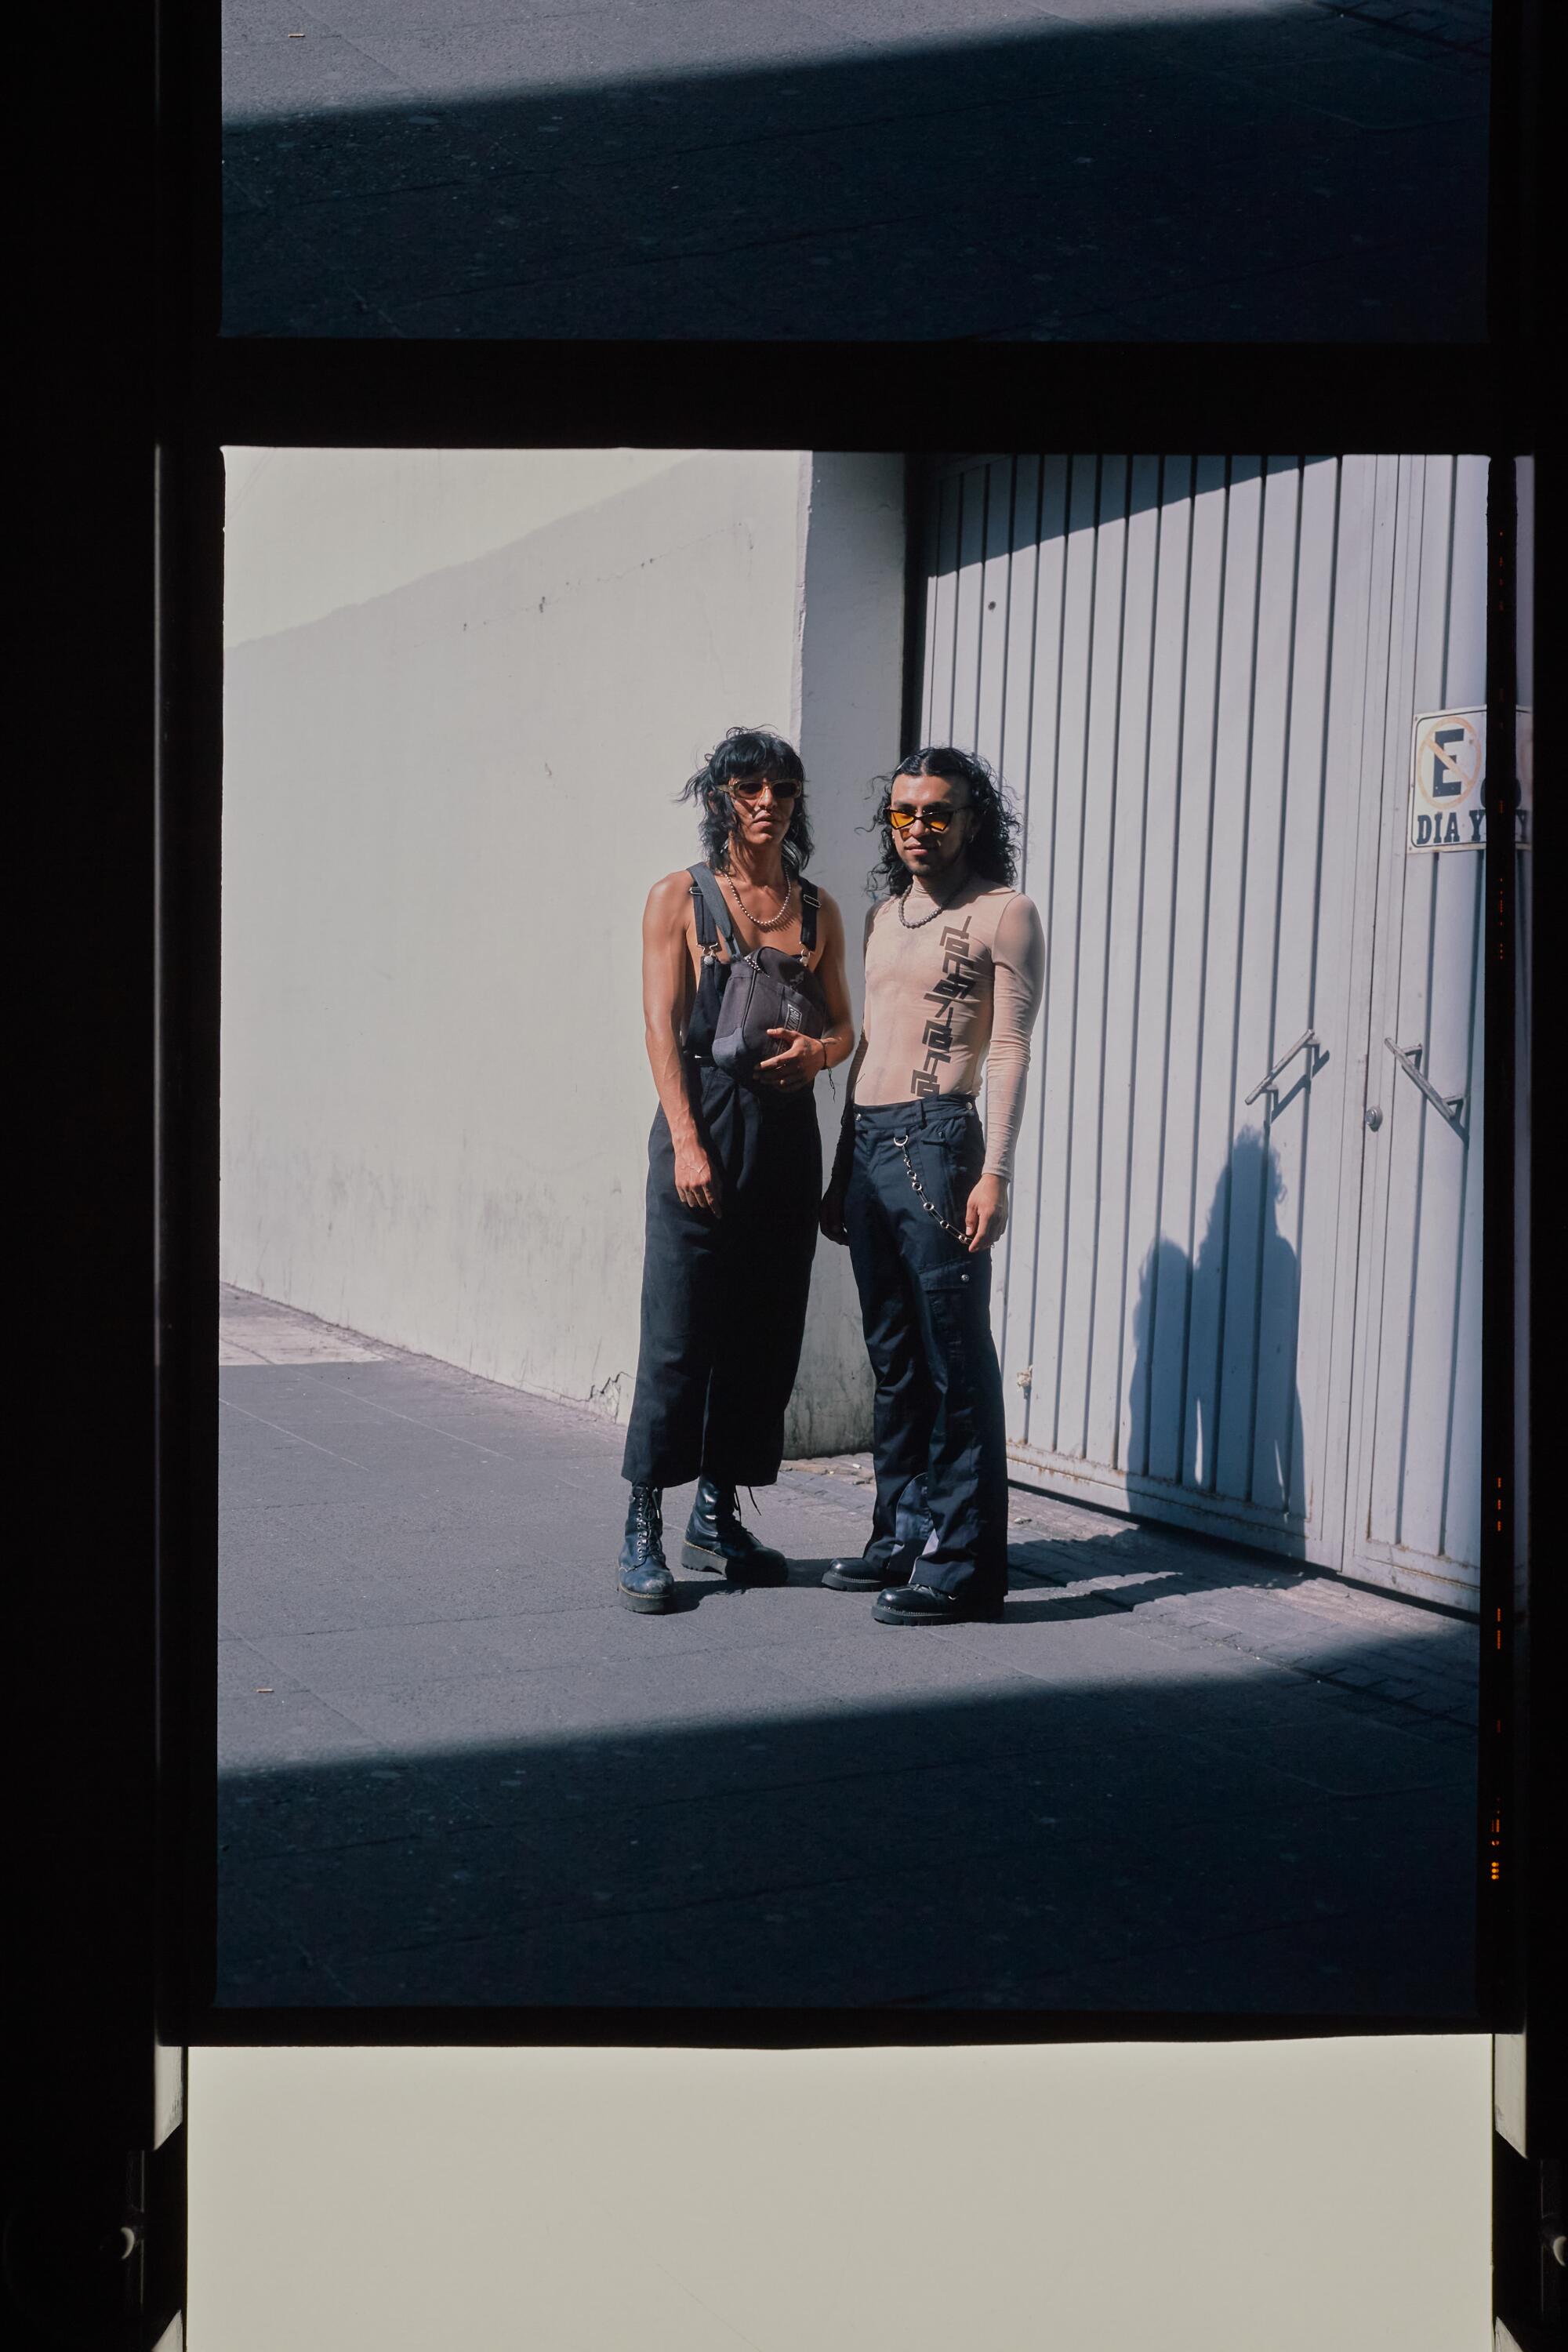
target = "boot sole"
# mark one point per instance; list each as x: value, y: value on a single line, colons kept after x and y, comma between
x: 713, y: 1564
x: 648, y: 1604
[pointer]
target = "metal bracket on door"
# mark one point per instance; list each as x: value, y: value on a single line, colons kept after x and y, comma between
x: 1270, y: 1085
x: 1448, y: 1107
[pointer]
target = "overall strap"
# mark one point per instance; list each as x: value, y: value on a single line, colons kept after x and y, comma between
x: 810, y: 899
x: 710, y: 911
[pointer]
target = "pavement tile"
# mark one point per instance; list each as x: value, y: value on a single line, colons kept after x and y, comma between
x: 530, y: 54
x: 702, y: 199
x: 1417, y: 287
x: 454, y: 1650
x: 377, y: 1798
x: 290, y: 1725
x: 272, y: 74
x: 315, y: 305
x: 1321, y: 1743
x: 688, y: 1850
x: 863, y: 1660
x: 451, y: 240
x: 611, y: 1698
x: 837, y: 1944
x: 1302, y: 1966
x: 343, y: 1901
x: 353, y: 18
x: 264, y: 1964
x: 242, y: 1669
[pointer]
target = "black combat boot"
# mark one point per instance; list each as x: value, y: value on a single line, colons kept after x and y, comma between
x: 715, y: 1539
x: 888, y: 1561
x: 879, y: 1566
x: 645, y: 1579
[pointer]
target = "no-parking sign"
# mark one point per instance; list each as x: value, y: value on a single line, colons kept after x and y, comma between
x: 1447, y: 773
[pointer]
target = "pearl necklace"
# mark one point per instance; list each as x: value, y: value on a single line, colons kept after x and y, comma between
x: 772, y: 921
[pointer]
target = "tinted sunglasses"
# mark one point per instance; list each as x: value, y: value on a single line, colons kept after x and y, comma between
x: 750, y: 788
x: 935, y: 820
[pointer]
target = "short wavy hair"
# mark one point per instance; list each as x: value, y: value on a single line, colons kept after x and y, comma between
x: 992, y: 848
x: 746, y: 751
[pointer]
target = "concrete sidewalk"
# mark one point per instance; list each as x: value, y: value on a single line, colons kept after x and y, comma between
x: 851, y: 170
x: 454, y: 1770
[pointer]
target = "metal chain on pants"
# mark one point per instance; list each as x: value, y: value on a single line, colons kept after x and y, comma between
x: 929, y: 1206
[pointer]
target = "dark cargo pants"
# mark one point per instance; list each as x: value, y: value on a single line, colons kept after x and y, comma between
x: 724, y: 1298
x: 925, y: 1302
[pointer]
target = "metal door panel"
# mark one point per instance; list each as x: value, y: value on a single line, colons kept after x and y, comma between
x: 1124, y: 1002
x: 942, y: 639
x: 1165, y: 1293
x: 1160, y: 887
x: 1040, y: 616
x: 1253, y: 1253
x: 1094, y: 886
x: 967, y: 618
x: 1216, y: 1063
x: 1414, y: 1517
x: 993, y: 615
x: 1295, y: 1319
x: 1057, y: 1042
x: 1010, y: 750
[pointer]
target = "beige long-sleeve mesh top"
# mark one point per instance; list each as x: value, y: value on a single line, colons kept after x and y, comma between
x: 950, y: 1000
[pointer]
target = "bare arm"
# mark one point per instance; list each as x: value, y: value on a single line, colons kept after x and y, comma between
x: 667, y: 994
x: 1018, y: 955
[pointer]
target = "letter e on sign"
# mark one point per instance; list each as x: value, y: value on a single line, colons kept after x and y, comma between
x: 1447, y: 769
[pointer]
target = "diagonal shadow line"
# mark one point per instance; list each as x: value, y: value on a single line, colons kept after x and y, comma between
x: 1021, y: 244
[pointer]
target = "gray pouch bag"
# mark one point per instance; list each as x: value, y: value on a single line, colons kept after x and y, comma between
x: 764, y: 988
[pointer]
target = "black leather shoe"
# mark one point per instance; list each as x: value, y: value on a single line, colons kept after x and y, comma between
x: 642, y: 1570
x: 872, y: 1575
x: 716, y: 1540
x: 922, y: 1604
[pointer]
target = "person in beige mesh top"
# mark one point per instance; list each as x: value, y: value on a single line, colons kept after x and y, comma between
x: 955, y: 969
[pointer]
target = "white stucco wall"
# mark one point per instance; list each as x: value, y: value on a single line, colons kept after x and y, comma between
x: 462, y: 689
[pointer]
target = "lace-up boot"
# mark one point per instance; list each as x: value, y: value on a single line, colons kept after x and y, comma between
x: 716, y: 1540
x: 643, y: 1572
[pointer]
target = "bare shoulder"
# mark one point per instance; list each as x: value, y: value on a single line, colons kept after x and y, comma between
x: 669, y: 900
x: 830, y: 914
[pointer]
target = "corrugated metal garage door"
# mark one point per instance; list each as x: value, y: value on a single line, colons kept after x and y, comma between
x: 1198, y: 675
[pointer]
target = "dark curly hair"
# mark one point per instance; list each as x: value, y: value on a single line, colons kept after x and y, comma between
x: 992, y: 846
x: 746, y: 751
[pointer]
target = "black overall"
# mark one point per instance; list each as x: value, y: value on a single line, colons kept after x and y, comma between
x: 723, y: 1298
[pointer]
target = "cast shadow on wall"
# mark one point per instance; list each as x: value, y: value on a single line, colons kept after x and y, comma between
x: 1214, y: 1405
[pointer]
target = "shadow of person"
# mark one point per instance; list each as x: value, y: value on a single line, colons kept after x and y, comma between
x: 1214, y: 1407
x: 1154, y: 1398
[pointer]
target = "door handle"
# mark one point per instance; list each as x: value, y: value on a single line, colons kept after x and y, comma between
x: 1448, y: 1107
x: 1267, y: 1086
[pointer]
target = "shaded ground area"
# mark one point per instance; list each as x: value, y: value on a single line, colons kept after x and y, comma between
x: 1111, y: 170
x: 453, y: 1769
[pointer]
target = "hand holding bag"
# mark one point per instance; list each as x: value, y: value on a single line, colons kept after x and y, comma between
x: 762, y: 986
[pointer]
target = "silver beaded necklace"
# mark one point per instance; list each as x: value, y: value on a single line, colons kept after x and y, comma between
x: 771, y: 922
x: 921, y: 921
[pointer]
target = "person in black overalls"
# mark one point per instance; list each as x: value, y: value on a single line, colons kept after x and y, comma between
x: 734, y: 1172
